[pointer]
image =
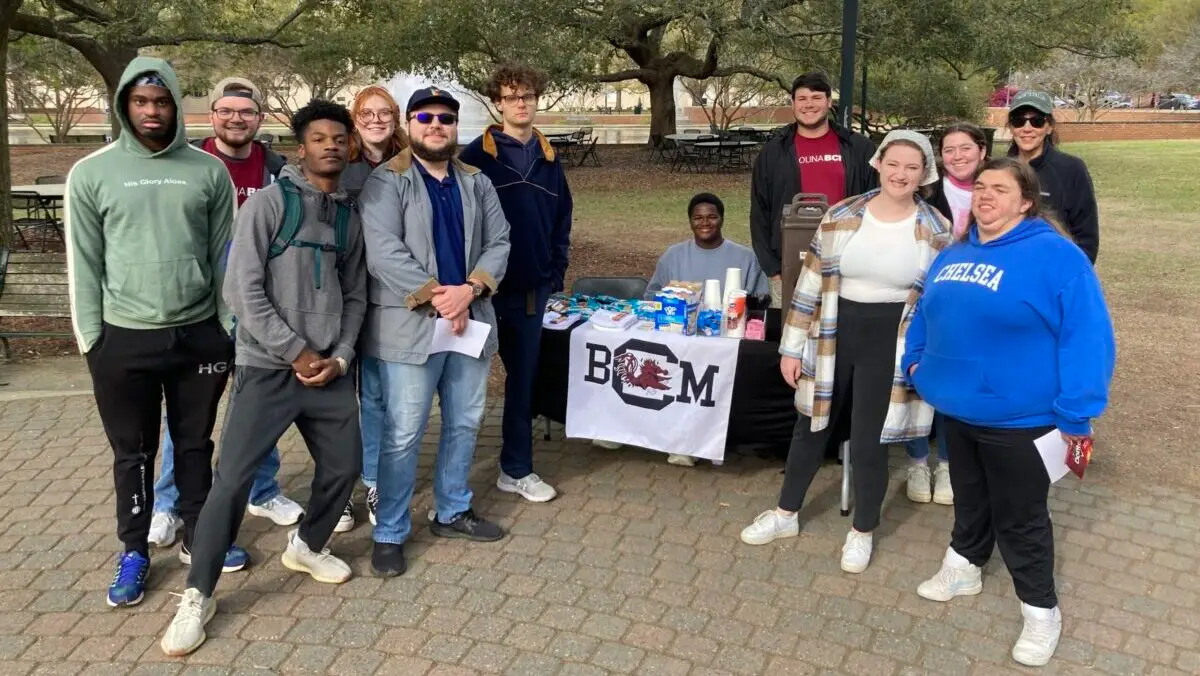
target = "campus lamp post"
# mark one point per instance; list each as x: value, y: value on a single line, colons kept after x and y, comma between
x: 846, y: 86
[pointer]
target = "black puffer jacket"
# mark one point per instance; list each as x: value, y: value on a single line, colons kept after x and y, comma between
x: 776, y: 180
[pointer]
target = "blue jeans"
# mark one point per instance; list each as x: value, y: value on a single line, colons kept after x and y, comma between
x: 372, y: 408
x: 166, y: 495
x: 918, y: 449
x: 461, y: 383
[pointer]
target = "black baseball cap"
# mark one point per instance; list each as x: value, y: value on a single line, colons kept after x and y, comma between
x: 428, y: 95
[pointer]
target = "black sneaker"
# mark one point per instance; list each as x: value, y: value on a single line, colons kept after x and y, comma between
x: 387, y: 560
x: 372, y: 503
x: 467, y: 525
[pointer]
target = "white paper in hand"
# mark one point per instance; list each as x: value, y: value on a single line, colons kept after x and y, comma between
x: 469, y: 343
x: 1053, y: 449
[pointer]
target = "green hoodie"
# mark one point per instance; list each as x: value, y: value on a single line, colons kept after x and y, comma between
x: 146, y: 231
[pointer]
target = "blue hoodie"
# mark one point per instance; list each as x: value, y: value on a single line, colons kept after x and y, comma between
x: 1013, y: 333
x: 533, y: 192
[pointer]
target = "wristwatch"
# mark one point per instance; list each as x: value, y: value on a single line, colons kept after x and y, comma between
x: 477, y: 288
x: 342, y: 365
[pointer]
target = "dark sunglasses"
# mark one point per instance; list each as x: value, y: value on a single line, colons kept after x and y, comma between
x: 427, y: 118
x: 1038, y: 121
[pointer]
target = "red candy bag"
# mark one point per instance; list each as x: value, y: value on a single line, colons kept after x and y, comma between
x: 1079, y: 453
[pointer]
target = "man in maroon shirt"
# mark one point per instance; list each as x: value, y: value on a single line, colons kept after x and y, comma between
x: 812, y: 155
x: 236, y: 115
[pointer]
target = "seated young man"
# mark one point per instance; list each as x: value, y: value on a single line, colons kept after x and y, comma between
x: 707, y: 255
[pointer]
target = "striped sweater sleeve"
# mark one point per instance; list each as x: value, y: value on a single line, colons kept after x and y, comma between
x: 806, y: 297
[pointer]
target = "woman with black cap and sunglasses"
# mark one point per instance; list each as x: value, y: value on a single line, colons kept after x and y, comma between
x: 1066, y: 183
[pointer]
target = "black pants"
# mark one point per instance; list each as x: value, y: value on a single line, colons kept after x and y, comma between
x: 1000, y: 490
x: 132, y: 370
x: 264, y: 403
x: 862, y: 388
x: 519, y: 324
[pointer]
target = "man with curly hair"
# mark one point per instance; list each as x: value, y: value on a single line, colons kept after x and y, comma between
x: 532, y: 186
x: 297, y: 283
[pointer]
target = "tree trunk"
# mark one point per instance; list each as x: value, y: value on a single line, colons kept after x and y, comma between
x: 110, y: 63
x: 8, y: 9
x: 662, y: 106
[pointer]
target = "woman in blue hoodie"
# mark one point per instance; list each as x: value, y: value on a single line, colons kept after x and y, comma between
x: 1010, y: 341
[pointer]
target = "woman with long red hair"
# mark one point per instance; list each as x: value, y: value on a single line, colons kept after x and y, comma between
x: 378, y: 137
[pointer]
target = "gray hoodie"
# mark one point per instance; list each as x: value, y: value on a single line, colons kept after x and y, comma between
x: 279, y: 308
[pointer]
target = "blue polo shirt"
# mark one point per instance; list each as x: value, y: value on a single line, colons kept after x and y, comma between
x: 449, y: 245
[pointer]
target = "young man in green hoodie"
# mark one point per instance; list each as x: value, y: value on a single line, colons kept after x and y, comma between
x: 147, y: 221
x: 298, y: 285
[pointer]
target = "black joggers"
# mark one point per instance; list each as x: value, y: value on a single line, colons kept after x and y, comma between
x: 862, y: 389
x: 262, y: 405
x: 1000, y: 490
x: 132, y: 371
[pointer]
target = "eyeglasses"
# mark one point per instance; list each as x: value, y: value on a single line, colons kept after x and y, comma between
x: 1038, y: 120
x: 228, y: 114
x: 366, y: 115
x: 527, y: 99
x: 428, y: 118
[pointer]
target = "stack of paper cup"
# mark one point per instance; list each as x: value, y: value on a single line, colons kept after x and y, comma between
x: 733, y: 282
x: 712, y: 294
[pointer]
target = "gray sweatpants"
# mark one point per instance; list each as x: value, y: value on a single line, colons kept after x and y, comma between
x: 263, y: 404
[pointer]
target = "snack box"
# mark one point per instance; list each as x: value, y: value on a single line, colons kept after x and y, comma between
x: 678, y: 311
x: 647, y: 309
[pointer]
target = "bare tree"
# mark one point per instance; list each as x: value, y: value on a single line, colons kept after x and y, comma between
x: 1088, y: 79
x: 729, y: 99
x: 51, y: 86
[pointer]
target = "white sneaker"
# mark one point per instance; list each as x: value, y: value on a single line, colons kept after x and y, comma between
x: 918, y: 482
x: 770, y: 526
x: 1039, y: 636
x: 281, y: 509
x: 956, y: 578
x: 610, y: 445
x: 346, y: 522
x: 322, y: 566
x: 856, y: 553
x: 186, y: 631
x: 164, y: 527
x: 681, y: 460
x: 532, y: 488
x: 943, y: 491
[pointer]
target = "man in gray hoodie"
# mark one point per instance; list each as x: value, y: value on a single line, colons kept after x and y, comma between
x: 297, y: 284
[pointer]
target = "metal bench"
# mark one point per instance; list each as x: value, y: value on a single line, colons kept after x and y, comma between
x: 33, y: 285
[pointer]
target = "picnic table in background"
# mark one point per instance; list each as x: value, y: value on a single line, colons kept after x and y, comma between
x: 37, y: 212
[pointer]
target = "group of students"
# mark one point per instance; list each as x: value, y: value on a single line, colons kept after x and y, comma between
x: 971, y: 294
x: 960, y: 293
x: 328, y: 287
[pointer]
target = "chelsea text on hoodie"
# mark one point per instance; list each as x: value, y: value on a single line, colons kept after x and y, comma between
x: 1013, y: 333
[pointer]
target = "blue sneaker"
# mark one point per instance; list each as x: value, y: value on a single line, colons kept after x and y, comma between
x: 235, y: 559
x: 129, y: 582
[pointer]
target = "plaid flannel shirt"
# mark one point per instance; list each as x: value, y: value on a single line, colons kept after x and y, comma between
x: 810, y: 331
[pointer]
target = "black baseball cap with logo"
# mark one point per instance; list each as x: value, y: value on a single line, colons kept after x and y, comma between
x: 430, y: 95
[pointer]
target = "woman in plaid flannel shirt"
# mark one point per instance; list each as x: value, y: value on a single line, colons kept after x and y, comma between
x: 844, y: 333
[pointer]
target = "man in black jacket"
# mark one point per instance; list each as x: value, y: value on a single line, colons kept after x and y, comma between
x: 813, y: 155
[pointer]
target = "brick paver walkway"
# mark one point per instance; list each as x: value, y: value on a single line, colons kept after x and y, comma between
x: 635, y: 569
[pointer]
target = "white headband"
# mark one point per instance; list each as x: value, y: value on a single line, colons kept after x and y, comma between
x: 922, y: 142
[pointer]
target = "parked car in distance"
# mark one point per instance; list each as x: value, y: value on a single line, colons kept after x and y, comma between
x: 1178, y: 102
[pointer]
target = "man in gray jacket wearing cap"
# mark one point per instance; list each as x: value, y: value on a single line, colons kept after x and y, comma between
x: 437, y: 248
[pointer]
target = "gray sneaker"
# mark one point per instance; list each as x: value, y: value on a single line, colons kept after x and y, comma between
x: 469, y: 527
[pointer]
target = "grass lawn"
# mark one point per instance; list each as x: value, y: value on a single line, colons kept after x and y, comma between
x: 628, y: 212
